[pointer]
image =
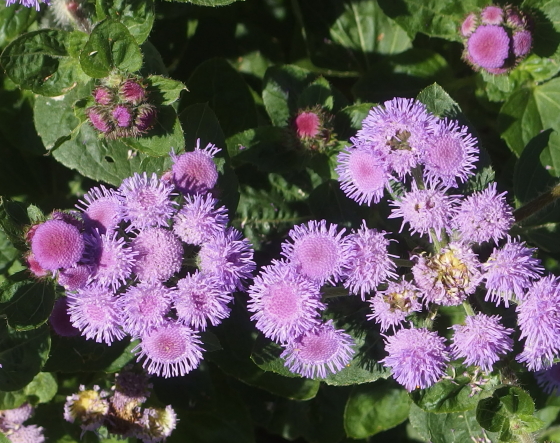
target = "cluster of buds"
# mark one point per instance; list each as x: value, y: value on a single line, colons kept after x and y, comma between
x: 313, y: 130
x: 121, y: 109
x: 496, y: 39
x: 121, y: 411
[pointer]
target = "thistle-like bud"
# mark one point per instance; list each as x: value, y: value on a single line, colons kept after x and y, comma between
x: 99, y: 119
x: 313, y: 129
x: 131, y: 91
x: 122, y: 116
x: 103, y: 95
x: 146, y: 118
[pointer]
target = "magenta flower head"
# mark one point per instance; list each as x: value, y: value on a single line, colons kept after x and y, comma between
x: 103, y: 95
x: 417, y: 357
x: 469, y: 24
x: 318, y: 350
x: 100, y: 119
x: 488, y: 46
x: 549, y: 380
x: 368, y: 262
x: 195, y: 172
x: 522, y: 42
x: 449, y: 276
x: 133, y: 92
x: 229, y: 258
x: 201, y: 300
x: 169, y: 350
x: 317, y: 250
x: 484, y: 216
x: 60, y: 319
x: 481, y: 340
x: 34, y: 267
x: 57, y: 244
x: 160, y: 254
x: 146, y: 116
x: 285, y: 303
x: 307, y: 124
x: 102, y: 209
x: 75, y: 277
x: 391, y: 306
x: 492, y: 15
x: 122, y: 116
x: 146, y: 201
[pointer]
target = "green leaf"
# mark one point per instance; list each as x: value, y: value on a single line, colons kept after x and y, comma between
x: 375, y: 407
x: 136, y: 15
x: 546, y: 18
x: 318, y: 93
x: 14, y: 20
x: 349, y: 119
x: 439, y: 102
x: 527, y: 112
x: 4, y: 439
x: 15, y: 218
x: 8, y: 254
x: 41, y: 390
x: 164, y: 91
x: 40, y: 61
x: 217, y: 83
x: 22, y: 354
x: 110, y: 46
x: 210, y: 2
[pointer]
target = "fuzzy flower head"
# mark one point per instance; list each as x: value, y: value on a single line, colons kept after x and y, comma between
x: 317, y: 250
x: 285, y: 303
x: 481, y: 341
x: 26, y: 434
x: 451, y: 155
x: 75, y: 277
x: 509, y: 271
x: 12, y: 418
x: 363, y: 174
x: 195, y: 172
x: 28, y: 3
x: 417, y: 357
x: 318, y: 350
x: 100, y: 119
x: 132, y: 388
x: 313, y: 129
x: 448, y: 277
x: 492, y: 15
x: 102, y: 209
x: 549, y: 380
x: 307, y: 124
x: 488, y: 46
x: 391, y: 306
x: 368, y: 262
x: 469, y: 25
x: 160, y: 254
x: 484, y: 216
x: 146, y: 201
x: 427, y: 211
x: 157, y: 424
x: 87, y: 407
x: 57, y: 244
x: 103, y: 95
x: 169, y: 350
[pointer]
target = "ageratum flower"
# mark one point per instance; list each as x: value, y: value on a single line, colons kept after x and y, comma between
x: 481, y: 341
x: 28, y: 3
x: 60, y: 319
x: 317, y: 350
x: 195, y: 172
x: 13, y: 418
x: 88, y: 407
x: 549, y: 380
x: 102, y: 209
x: 285, y: 303
x: 157, y: 424
x: 488, y: 46
x: 26, y: 434
x: 57, y: 244
x: 417, y: 357
x: 75, y: 277
x: 160, y: 254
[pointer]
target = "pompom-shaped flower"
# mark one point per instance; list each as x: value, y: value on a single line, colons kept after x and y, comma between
x: 450, y: 156
x: 94, y: 312
x: 549, y: 380
x: 195, y: 172
x: 307, y: 124
x: 228, y: 257
x: 481, y: 340
x: 199, y: 219
x: 317, y: 251
x: 448, y: 277
x: 201, y: 299
x: 87, y: 407
x: 488, y: 46
x: 391, y: 306
x: 57, y: 244
x: 484, y: 216
x: 12, y: 418
x: 169, y: 350
x: 146, y: 201
x: 143, y: 307
x: 522, y: 42
x: 26, y: 434
x: 160, y: 254
x: 417, y: 357
x: 368, y: 262
x: 102, y: 209
x: 285, y: 303
x: 103, y: 95
x: 100, y: 119
x: 319, y: 349
x: 509, y: 272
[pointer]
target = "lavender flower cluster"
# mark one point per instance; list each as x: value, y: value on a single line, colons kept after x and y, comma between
x: 134, y: 261
x: 121, y: 410
x: 11, y: 425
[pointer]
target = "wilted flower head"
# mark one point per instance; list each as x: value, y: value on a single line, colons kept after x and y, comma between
x: 146, y: 115
x: 160, y: 254
x: 195, y: 172
x: 157, y: 424
x: 417, y: 357
x: 88, y: 407
x: 57, y: 244
x: 132, y: 388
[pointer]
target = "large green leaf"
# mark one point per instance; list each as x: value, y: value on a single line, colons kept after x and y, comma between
x: 164, y: 91
x: 14, y: 19
x: 41, y: 390
x: 546, y: 35
x: 136, y: 15
x: 15, y: 218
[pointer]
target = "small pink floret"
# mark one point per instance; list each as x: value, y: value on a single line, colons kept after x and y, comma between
x: 98, y: 121
x: 492, y: 15
x: 122, y: 116
x: 522, y: 42
x: 57, y: 244
x: 488, y: 46
x: 469, y: 25
x: 307, y: 124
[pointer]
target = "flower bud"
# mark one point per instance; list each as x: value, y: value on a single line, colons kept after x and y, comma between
x: 99, y: 119
x: 146, y: 118
x: 103, y: 95
x: 122, y: 116
x: 133, y: 92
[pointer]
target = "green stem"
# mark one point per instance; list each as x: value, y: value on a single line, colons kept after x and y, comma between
x: 417, y: 174
x: 537, y: 204
x: 403, y: 263
x: 330, y: 292
x: 468, y: 308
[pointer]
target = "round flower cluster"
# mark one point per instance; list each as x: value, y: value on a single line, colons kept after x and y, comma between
x: 135, y: 262
x: 121, y: 108
x: 496, y: 39
x: 121, y: 410
x: 11, y: 425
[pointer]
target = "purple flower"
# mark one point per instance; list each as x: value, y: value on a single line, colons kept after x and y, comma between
x: 522, y: 42
x: 169, y: 350
x: 417, y: 357
x: 13, y: 418
x: 549, y: 380
x: 102, y: 208
x: 146, y: 201
x: 492, y: 15
x: 26, y: 434
x: 57, y: 244
x: 195, y: 172
x: 484, y: 216
x: 143, y: 307
x: 285, y: 303
x: 391, y: 306
x: 199, y: 219
x: 228, y: 257
x: 427, y: 211
x: 509, y: 272
x: 539, y: 323
x: 99, y: 119
x: 28, y: 3
x: 363, y: 174
x: 368, y: 262
x: 488, y: 46
x: 469, y: 24
x: 201, y: 299
x: 318, y: 251
x: 75, y: 277
x: 317, y: 350
x: 145, y: 118
x: 103, y: 95
x: 160, y: 254
x: 449, y: 276
x: 94, y: 312
x: 450, y: 156
x: 132, y: 388
x: 308, y: 124
x: 133, y: 92
x: 481, y: 340
x: 122, y: 116
x: 60, y: 319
